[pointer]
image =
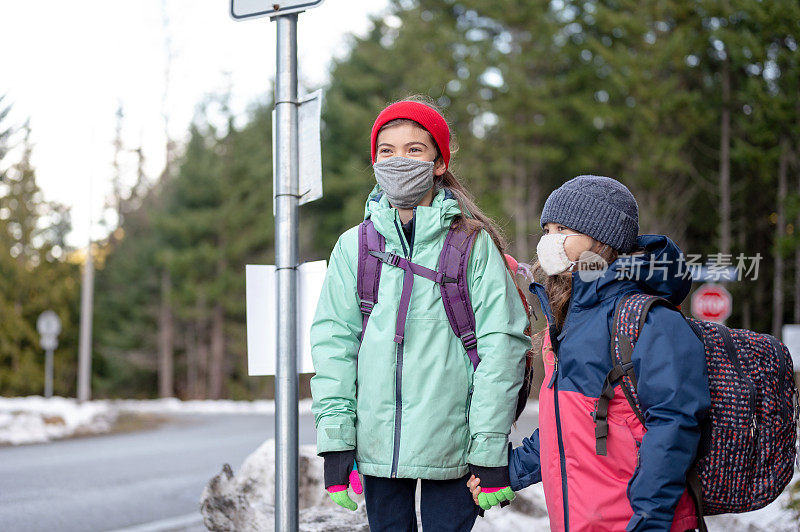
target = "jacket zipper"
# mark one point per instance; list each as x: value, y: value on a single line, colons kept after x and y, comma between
x: 398, y: 372
x: 635, y: 469
x: 561, y: 455
x: 398, y: 407
x: 469, y: 402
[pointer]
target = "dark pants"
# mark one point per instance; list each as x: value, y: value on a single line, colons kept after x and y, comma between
x: 445, y: 505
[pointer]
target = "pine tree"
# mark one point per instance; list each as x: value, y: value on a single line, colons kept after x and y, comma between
x: 32, y: 279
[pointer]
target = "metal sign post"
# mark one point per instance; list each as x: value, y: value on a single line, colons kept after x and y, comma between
x: 287, y: 196
x: 49, y: 326
x: 286, y: 251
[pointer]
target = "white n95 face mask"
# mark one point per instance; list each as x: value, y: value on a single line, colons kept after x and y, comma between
x: 552, y: 255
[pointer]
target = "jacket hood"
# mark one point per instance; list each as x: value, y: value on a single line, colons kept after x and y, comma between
x: 430, y: 221
x: 659, y: 269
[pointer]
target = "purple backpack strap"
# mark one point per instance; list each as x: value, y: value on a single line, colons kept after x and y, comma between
x: 369, y: 268
x: 453, y: 263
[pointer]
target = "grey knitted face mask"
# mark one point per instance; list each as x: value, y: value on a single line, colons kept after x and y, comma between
x: 405, y: 181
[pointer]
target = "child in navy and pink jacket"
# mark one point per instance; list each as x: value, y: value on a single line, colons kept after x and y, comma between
x: 640, y: 484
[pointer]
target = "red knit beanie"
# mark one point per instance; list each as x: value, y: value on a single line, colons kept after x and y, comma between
x: 424, y: 115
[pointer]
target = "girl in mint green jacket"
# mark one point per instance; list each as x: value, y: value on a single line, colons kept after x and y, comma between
x: 414, y: 408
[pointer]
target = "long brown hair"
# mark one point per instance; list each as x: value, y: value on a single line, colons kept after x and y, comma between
x: 472, y: 218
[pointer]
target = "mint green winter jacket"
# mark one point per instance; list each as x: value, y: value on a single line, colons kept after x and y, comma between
x: 419, y: 411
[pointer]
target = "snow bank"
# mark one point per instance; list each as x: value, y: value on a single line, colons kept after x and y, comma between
x: 244, y: 501
x: 231, y: 503
x: 35, y: 419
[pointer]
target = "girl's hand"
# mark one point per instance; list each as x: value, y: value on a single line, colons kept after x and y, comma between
x: 474, y: 487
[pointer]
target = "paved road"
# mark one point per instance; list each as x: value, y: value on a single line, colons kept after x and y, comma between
x: 146, y: 481
x: 120, y: 480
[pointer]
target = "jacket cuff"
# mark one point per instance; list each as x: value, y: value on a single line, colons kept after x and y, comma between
x: 336, y: 436
x: 491, y: 477
x: 488, y: 449
x: 524, y: 463
x: 338, y: 465
x: 642, y: 522
x: 513, y: 478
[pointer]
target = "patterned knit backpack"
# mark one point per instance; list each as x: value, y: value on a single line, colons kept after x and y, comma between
x: 747, y: 452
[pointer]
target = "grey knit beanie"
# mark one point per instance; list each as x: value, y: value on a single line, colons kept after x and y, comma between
x: 600, y: 207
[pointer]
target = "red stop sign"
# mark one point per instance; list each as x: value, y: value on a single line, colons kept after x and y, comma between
x: 712, y: 302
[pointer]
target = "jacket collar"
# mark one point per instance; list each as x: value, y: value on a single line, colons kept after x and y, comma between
x: 429, y: 221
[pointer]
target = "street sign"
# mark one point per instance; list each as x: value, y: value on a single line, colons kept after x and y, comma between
x: 49, y: 326
x: 48, y: 323
x: 247, y: 9
x: 712, y: 302
x: 309, y: 146
x: 791, y: 337
x: 309, y: 150
x: 261, y: 319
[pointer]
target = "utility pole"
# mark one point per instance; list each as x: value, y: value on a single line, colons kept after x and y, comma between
x: 85, y: 341
x: 87, y: 312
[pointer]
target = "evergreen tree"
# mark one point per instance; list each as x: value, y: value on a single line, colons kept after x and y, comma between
x: 32, y: 279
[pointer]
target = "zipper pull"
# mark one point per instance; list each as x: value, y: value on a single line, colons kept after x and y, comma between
x: 555, y: 371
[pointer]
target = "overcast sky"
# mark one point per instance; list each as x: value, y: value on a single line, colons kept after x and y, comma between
x: 68, y: 65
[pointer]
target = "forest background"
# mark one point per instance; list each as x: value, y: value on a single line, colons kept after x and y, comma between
x: 694, y: 105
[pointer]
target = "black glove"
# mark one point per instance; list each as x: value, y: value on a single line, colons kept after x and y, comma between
x: 491, y: 477
x: 338, y: 465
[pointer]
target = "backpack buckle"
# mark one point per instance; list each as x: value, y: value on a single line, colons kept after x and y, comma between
x: 387, y: 257
x: 469, y: 340
x: 366, y: 306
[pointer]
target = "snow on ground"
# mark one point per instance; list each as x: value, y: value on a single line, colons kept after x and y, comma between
x: 243, y: 501
x: 35, y: 419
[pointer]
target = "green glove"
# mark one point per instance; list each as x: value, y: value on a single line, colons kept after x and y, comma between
x: 493, y: 498
x: 342, y: 498
x: 341, y: 472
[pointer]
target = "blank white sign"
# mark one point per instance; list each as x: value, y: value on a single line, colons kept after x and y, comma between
x: 791, y: 337
x: 262, y: 323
